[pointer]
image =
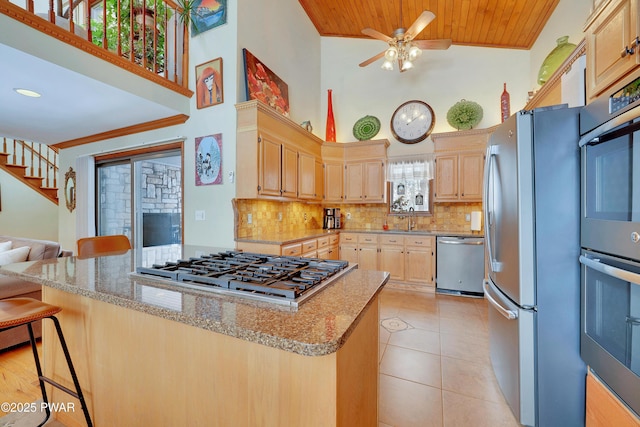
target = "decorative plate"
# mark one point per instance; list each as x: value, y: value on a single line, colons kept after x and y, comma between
x: 366, y: 128
x: 464, y: 115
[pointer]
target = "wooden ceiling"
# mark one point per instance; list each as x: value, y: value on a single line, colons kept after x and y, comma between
x: 489, y: 23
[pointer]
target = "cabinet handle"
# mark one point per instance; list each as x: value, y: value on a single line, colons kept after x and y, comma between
x: 628, y: 51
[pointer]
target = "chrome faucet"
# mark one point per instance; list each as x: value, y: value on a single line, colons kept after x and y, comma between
x: 410, y: 223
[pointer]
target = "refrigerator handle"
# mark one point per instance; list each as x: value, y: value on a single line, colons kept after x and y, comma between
x: 609, y: 270
x: 509, y: 314
x: 488, y: 217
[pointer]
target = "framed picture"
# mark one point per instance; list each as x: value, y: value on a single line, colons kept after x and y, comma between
x: 209, y: 159
x: 209, y: 83
x: 207, y: 14
x: 262, y: 84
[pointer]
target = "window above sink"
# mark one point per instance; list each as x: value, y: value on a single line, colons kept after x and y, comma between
x: 409, y: 187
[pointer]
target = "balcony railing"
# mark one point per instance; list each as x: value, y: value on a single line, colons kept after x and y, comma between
x: 149, y: 34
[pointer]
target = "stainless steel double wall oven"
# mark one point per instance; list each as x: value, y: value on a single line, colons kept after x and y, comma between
x: 610, y: 239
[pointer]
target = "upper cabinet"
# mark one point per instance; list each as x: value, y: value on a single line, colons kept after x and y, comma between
x: 613, y: 45
x: 277, y: 158
x: 364, y: 178
x: 460, y: 165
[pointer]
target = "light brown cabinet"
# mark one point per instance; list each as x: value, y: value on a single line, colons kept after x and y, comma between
x: 409, y: 259
x: 603, y: 409
x: 333, y: 181
x: 460, y: 165
x: 325, y: 247
x: 612, y: 44
x: 278, y: 158
x: 459, y: 177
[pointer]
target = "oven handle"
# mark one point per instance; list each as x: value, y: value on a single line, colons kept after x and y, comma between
x: 627, y: 116
x: 610, y: 270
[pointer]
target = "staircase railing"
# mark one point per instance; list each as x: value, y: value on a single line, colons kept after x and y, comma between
x: 149, y: 34
x: 39, y: 160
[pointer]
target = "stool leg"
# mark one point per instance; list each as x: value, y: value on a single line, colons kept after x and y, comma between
x: 63, y: 343
x: 32, y: 339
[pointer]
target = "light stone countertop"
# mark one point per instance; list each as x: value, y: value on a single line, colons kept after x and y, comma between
x: 319, y: 326
x: 293, y: 237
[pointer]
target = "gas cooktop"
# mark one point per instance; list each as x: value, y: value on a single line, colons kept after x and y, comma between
x: 280, y: 279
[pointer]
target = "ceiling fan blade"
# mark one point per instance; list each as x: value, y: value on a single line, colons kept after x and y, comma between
x: 423, y: 20
x: 433, y: 44
x: 373, y: 59
x: 376, y: 34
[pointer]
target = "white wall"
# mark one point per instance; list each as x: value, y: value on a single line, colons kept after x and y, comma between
x: 439, y: 78
x: 25, y: 212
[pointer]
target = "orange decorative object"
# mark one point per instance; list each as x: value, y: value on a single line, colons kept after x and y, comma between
x: 505, y: 104
x: 331, y: 125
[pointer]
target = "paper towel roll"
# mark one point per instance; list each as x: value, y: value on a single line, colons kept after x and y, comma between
x: 476, y: 220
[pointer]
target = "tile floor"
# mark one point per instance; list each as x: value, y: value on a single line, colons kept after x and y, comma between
x: 434, y: 363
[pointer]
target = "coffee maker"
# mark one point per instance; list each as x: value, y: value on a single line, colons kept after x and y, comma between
x: 331, y: 218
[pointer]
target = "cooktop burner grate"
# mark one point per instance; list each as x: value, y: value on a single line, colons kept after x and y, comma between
x: 267, y: 277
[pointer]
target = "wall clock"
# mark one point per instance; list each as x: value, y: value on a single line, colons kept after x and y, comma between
x: 412, y: 122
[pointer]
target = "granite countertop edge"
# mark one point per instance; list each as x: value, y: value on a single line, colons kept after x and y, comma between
x: 260, y: 337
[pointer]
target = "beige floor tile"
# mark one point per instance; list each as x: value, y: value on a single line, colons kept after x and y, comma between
x: 466, y: 347
x: 457, y: 325
x: 429, y: 321
x: 412, y: 365
x: 408, y: 404
x: 383, y: 348
x: 470, y: 379
x: 384, y: 334
x: 464, y: 411
x: 417, y: 339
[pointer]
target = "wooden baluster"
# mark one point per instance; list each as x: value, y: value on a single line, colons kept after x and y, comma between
x: 33, y: 160
x: 30, y: 5
x: 87, y: 8
x: 105, y: 43
x: 119, y: 25
x: 155, y: 36
x: 132, y: 56
x: 52, y: 14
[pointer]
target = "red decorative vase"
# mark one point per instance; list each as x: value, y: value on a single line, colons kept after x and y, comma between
x: 331, y: 124
x: 505, y: 104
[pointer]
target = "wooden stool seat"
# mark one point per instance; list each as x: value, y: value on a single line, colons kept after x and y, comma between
x: 20, y: 311
x: 15, y: 312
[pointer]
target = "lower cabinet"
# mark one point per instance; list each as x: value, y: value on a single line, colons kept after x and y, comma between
x: 408, y: 258
x: 603, y: 409
x: 325, y: 247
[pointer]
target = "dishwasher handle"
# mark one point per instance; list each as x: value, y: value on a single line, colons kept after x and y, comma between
x: 460, y: 241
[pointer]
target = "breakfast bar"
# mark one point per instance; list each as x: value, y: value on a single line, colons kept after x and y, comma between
x: 150, y: 350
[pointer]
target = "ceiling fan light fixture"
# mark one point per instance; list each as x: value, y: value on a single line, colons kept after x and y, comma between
x: 391, y: 54
x: 414, y: 52
x: 387, y: 65
x: 406, y: 65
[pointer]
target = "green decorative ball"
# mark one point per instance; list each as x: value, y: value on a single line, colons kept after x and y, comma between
x: 464, y: 115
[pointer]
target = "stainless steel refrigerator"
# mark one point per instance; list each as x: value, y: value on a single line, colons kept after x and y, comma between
x: 532, y: 235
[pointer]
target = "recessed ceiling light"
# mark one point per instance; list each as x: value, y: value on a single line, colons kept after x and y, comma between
x: 27, y: 92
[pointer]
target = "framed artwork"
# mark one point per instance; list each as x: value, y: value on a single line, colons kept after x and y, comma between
x: 209, y: 83
x: 262, y: 84
x: 209, y: 159
x: 207, y: 14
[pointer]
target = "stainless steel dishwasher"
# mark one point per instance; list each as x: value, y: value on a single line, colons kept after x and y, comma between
x: 460, y: 265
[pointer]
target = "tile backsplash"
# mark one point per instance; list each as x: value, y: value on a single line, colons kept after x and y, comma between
x: 268, y: 217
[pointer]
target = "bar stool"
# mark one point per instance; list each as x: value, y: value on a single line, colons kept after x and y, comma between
x: 89, y: 247
x: 16, y: 312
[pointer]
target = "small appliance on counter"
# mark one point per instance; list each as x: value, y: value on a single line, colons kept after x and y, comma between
x: 331, y: 218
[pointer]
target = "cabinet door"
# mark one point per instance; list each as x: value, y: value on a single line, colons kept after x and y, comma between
x: 471, y: 170
x: 419, y: 262
x: 368, y: 257
x: 373, y: 182
x: 334, y: 252
x: 306, y: 176
x: 270, y: 163
x: 349, y: 252
x: 607, y: 37
x: 333, y: 181
x: 392, y: 260
x: 446, y: 178
x: 319, y: 180
x: 353, y: 182
x: 289, y: 172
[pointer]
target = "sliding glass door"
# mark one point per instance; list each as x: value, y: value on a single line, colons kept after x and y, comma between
x: 140, y: 196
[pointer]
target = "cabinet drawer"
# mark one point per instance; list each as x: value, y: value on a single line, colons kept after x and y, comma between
x: 368, y: 239
x: 293, y: 249
x: 348, y: 238
x: 323, y: 242
x: 309, y: 245
x: 392, y: 240
x: 419, y: 241
x: 334, y: 239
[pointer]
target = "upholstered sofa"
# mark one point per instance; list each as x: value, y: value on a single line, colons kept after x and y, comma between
x: 11, y: 287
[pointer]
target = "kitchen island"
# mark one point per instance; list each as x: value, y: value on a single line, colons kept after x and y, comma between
x: 153, y: 353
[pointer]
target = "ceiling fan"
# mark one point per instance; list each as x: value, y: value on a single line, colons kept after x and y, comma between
x: 402, y: 47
